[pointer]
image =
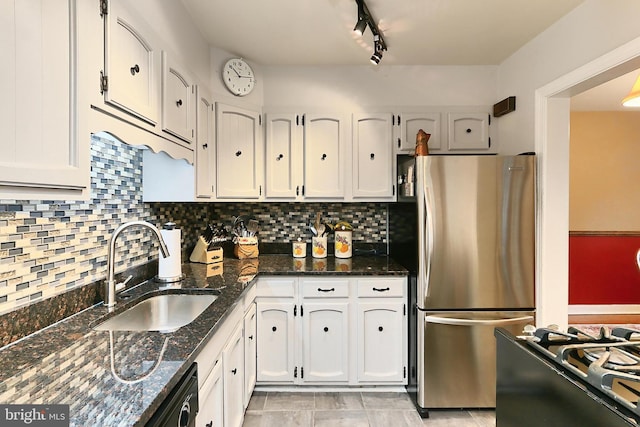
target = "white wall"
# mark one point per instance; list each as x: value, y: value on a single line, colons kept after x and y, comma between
x: 352, y: 88
x: 563, y: 57
x: 591, y: 30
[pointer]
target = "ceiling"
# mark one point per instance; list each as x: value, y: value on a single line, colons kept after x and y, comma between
x: 417, y: 32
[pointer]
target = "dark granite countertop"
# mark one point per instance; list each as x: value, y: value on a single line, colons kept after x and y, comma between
x: 120, y: 378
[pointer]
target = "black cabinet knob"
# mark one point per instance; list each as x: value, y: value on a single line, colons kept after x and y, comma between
x: 234, y: 371
x: 326, y: 329
x: 250, y: 337
x: 238, y: 153
x: 324, y: 156
x: 372, y: 156
x: 179, y: 102
x: 380, y: 328
x: 274, y: 329
x: 209, y: 424
x: 468, y: 130
x: 134, y: 70
x: 205, y: 145
x: 280, y: 156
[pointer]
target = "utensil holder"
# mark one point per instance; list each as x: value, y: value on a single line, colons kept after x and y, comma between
x: 202, y: 254
x: 319, y: 246
x: 343, y: 244
x: 246, y: 247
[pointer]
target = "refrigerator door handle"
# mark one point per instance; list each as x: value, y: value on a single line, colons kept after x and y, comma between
x: 452, y: 321
x: 425, y: 228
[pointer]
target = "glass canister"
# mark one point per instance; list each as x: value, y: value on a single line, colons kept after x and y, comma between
x: 343, y: 243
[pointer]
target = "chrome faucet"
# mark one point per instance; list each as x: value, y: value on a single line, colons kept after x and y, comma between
x: 112, y: 287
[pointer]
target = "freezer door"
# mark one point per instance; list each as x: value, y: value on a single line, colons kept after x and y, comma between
x: 459, y: 357
x: 477, y: 230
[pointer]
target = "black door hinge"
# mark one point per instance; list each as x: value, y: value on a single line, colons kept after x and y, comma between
x: 303, y: 119
x: 398, y: 119
x: 404, y: 372
x: 295, y: 310
x: 393, y: 190
x: 301, y: 372
x: 301, y: 311
x: 295, y: 372
x: 489, y: 142
x: 303, y: 190
x: 404, y: 309
x: 297, y: 120
x: 260, y: 120
x: 489, y: 119
x: 104, y: 8
x: 104, y: 83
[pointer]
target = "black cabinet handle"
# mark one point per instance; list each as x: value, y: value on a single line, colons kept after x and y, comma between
x: 324, y: 156
x: 134, y: 70
x: 205, y: 145
x: 326, y: 290
x: 250, y: 337
x: 280, y: 156
x: 326, y: 329
x: 468, y: 130
x: 381, y: 289
x: 380, y: 328
x: 238, y: 153
x: 179, y: 102
x: 209, y: 424
x: 234, y: 371
x: 274, y: 329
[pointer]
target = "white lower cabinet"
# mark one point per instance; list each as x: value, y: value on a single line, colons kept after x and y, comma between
x: 226, y: 368
x: 211, y: 399
x: 326, y: 331
x: 233, y: 374
x: 249, y: 353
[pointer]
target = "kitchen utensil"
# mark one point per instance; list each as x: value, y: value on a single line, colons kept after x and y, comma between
x: 313, y: 230
x: 252, y: 227
x: 321, y: 229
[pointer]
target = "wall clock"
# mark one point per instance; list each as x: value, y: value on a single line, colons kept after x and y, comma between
x: 238, y: 77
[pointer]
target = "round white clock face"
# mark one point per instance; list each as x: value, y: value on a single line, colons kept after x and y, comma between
x: 238, y: 77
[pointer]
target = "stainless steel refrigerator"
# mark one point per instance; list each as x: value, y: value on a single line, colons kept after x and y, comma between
x: 474, y: 272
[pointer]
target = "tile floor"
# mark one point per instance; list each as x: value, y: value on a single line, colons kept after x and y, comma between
x: 352, y: 409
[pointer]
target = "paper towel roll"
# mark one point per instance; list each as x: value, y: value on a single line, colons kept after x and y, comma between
x: 170, y: 268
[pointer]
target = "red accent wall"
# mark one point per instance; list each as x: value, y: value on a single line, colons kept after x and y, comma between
x: 603, y: 270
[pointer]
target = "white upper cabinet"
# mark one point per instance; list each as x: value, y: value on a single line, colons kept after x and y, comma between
x: 407, y: 126
x: 205, y: 147
x: 132, y: 64
x: 325, y: 140
x: 239, y: 153
x: 283, y: 156
x: 178, y: 100
x: 44, y: 149
x: 469, y: 131
x: 373, y: 162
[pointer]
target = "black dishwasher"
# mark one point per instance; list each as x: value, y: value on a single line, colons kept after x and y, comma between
x: 179, y: 409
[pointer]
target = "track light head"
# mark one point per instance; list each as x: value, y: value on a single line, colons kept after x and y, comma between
x: 361, y: 25
x: 378, y: 47
x: 366, y: 20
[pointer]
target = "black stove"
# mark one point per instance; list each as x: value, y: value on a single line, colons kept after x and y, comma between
x: 573, y: 378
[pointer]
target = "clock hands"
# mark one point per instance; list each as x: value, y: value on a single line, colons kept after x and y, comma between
x: 242, y: 76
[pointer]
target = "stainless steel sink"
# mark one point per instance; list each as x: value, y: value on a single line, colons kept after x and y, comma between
x: 164, y: 313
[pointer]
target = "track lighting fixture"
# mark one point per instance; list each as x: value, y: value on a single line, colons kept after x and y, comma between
x: 366, y: 20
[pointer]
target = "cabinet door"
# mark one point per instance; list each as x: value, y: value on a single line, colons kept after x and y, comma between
x: 283, y: 156
x: 381, y: 341
x: 469, y: 131
x: 325, y: 327
x: 372, y: 156
x: 132, y: 64
x: 249, y: 354
x: 205, y: 148
x: 275, y: 349
x: 178, y: 101
x: 409, y: 125
x: 233, y: 373
x: 325, y: 137
x: 41, y: 145
x: 239, y: 153
x: 211, y: 399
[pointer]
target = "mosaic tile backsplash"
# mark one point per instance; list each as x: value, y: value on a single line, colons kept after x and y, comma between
x: 48, y: 247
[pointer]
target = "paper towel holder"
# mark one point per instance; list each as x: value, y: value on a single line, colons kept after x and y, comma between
x: 173, y: 278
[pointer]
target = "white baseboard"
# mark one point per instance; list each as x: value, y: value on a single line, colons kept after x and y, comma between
x: 605, y: 309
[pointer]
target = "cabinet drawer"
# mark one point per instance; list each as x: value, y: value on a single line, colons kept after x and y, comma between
x: 275, y: 287
x: 324, y: 288
x: 381, y: 287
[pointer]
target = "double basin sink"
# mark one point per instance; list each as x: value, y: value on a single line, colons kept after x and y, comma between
x: 164, y: 313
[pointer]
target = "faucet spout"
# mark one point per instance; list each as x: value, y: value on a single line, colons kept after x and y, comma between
x: 110, y: 299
